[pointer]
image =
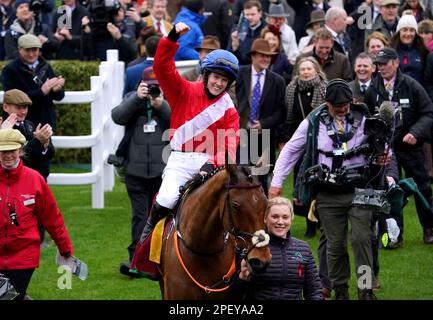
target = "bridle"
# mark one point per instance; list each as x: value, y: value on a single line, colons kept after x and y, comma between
x: 258, y: 239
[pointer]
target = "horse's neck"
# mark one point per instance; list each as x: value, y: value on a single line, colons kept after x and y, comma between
x: 200, y: 223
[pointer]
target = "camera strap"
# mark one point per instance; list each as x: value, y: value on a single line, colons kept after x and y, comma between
x: 339, y: 154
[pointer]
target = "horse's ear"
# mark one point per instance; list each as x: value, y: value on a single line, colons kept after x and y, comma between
x: 231, y: 169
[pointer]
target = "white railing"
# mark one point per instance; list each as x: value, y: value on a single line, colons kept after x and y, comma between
x: 105, y: 93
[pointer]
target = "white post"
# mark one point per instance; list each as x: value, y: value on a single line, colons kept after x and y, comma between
x: 98, y: 149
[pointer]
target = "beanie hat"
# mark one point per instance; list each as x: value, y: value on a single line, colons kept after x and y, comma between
x: 194, y: 5
x: 20, y: 2
x: 407, y: 21
x: 338, y: 92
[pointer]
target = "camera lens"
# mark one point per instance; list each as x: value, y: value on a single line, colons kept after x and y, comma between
x: 154, y: 91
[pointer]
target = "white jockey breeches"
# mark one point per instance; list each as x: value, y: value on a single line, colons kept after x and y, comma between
x: 181, y: 166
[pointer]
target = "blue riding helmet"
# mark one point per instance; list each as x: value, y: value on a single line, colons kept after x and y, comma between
x: 221, y: 61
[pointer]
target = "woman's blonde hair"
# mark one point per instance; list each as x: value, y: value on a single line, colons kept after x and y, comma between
x: 279, y: 201
x: 316, y: 65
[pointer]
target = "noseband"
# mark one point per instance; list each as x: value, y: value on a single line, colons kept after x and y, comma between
x: 258, y: 239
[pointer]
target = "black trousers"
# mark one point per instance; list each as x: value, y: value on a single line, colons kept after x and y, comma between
x: 412, y: 160
x: 141, y: 192
x: 20, y: 279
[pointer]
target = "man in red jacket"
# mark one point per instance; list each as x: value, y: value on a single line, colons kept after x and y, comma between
x: 204, y: 122
x: 25, y: 200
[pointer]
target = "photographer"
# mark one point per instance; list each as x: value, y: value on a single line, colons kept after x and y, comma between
x: 415, y: 117
x: 27, y: 23
x: 328, y: 138
x: 32, y: 74
x: 107, y: 29
x: 145, y: 115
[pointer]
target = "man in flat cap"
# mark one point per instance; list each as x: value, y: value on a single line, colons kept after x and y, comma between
x: 326, y: 138
x: 413, y: 129
x: 32, y: 74
x: 39, y: 150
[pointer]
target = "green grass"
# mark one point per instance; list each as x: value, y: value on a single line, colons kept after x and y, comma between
x: 100, y: 238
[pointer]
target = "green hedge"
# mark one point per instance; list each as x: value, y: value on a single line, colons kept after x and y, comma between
x: 72, y: 119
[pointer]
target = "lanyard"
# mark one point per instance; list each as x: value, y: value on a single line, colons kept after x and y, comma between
x: 344, y: 144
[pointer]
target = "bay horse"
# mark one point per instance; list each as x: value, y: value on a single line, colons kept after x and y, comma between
x: 223, y: 216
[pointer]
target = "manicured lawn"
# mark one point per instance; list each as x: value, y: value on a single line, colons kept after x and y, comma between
x: 100, y: 238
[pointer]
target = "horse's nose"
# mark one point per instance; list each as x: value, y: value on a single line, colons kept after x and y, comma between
x: 257, y: 265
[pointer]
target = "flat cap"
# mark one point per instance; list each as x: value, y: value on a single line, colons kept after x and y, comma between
x: 11, y: 139
x: 28, y: 41
x: 338, y: 92
x: 17, y: 97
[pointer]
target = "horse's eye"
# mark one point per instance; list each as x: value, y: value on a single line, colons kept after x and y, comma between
x: 236, y: 206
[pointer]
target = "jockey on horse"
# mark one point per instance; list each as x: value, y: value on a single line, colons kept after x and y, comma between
x: 198, y: 110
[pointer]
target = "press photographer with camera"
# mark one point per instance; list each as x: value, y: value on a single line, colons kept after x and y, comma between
x: 146, y: 115
x: 28, y: 23
x: 106, y: 28
x: 337, y: 158
x: 414, y: 118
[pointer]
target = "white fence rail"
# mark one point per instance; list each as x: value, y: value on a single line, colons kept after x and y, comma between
x: 105, y: 93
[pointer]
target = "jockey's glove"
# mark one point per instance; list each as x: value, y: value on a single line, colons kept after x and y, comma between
x: 207, y: 167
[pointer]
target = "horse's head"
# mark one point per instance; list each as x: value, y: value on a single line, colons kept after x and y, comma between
x: 245, y: 207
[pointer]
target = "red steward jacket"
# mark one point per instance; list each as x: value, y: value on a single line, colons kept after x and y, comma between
x: 197, y: 123
x: 23, y: 191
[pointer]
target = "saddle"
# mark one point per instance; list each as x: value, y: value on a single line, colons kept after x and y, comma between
x: 147, y: 255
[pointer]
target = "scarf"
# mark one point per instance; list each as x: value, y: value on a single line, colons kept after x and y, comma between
x: 298, y: 85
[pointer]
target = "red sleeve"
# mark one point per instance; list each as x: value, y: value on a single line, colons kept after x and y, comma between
x: 51, y: 219
x: 170, y: 81
x: 228, y: 138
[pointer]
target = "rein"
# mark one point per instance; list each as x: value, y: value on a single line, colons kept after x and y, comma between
x: 207, y: 289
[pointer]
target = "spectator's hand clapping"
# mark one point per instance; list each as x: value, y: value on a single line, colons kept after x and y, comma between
x: 410, y: 139
x: 42, y: 38
x: 142, y: 90
x: 58, y: 85
x: 9, y: 122
x: 65, y: 33
x: 114, y: 31
x: 85, y: 21
x: 43, y: 134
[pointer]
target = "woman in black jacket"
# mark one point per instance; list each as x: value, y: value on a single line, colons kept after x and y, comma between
x: 292, y: 273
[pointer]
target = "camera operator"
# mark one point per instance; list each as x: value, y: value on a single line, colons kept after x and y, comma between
x: 106, y: 29
x: 145, y: 115
x: 70, y: 39
x: 329, y: 136
x: 415, y: 118
x: 25, y: 23
x: 7, y: 16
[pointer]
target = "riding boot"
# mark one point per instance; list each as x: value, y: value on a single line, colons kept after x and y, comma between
x: 157, y: 213
x: 311, y: 229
